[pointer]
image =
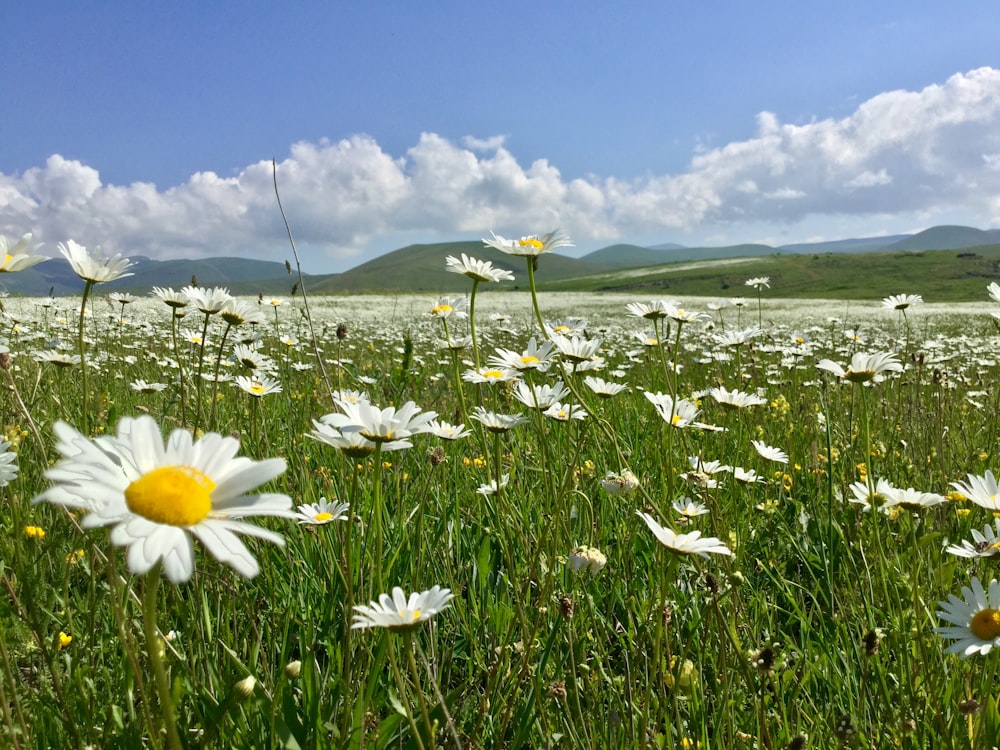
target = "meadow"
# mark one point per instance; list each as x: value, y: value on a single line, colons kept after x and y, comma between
x: 628, y: 522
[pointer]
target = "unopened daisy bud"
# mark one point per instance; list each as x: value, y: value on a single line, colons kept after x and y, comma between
x: 587, y: 559
x: 566, y: 607
x: 969, y: 707
x: 293, y: 669
x: 871, y: 641
x: 245, y: 687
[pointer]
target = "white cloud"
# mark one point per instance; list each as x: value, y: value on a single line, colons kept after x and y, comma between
x: 912, y: 153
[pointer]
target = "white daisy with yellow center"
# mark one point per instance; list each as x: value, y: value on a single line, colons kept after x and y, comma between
x: 322, y: 512
x: 974, y: 619
x: 156, y: 496
x: 400, y: 612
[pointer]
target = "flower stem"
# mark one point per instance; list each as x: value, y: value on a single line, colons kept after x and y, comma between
x: 84, y: 401
x: 534, y: 295
x: 472, y: 322
x: 154, y: 649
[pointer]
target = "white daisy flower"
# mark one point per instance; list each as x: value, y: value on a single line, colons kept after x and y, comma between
x: 867, y: 498
x: 770, y: 453
x: 450, y: 307
x: 565, y: 412
x: 687, y: 544
x: 689, y: 508
x: 258, y: 385
x: 901, y: 301
x: 489, y: 375
x: 491, y: 487
x: 170, y: 298
x: 322, y: 512
x: 209, y: 301
x: 985, y: 543
x: 494, y: 422
x: 679, y: 413
x: 141, y: 386
x: 94, y: 267
x: 603, y: 388
x: 399, y: 612
x: 8, y: 464
x: 534, y: 357
x: 529, y: 246
x: 380, y: 425
x: 863, y: 367
x: 480, y: 270
x: 447, y: 431
x: 156, y: 496
x: 909, y: 499
x: 352, y: 444
x: 735, y: 399
x: 540, y: 396
x: 983, y: 491
x: 20, y: 256
x: 577, y: 348
x: 975, y: 619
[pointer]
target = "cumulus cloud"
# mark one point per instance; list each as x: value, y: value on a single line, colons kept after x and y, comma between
x: 913, y: 152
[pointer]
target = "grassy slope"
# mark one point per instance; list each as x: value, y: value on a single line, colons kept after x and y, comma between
x: 938, y: 275
x: 421, y: 268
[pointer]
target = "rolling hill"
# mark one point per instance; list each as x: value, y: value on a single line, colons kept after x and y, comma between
x: 872, y: 265
x: 422, y: 268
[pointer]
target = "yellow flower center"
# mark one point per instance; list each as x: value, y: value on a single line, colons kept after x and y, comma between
x: 257, y: 388
x: 173, y: 495
x: 442, y: 309
x: 530, y: 242
x: 529, y: 360
x: 560, y: 329
x: 412, y: 615
x: 324, y: 516
x: 985, y: 624
x: 6, y: 260
x: 492, y: 373
x: 676, y: 420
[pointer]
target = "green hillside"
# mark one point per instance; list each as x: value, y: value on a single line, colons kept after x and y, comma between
x: 633, y: 256
x: 421, y: 268
x: 938, y: 275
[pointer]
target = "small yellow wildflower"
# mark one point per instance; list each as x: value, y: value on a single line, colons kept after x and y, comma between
x: 72, y: 558
x: 34, y: 532
x: 64, y: 640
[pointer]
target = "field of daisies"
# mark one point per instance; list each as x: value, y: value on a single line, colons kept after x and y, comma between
x: 495, y: 520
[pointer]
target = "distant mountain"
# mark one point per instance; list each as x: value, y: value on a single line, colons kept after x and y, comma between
x: 947, y: 238
x: 857, y: 245
x: 667, y: 246
x: 422, y: 268
x: 240, y: 275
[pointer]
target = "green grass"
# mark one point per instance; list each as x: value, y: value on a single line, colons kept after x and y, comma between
x: 939, y: 275
x: 822, y: 619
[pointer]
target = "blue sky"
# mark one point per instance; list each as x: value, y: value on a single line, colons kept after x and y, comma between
x: 149, y: 128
